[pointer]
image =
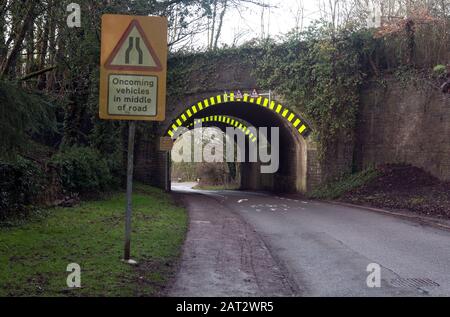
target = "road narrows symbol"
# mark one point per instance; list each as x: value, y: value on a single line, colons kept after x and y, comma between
x: 134, y: 51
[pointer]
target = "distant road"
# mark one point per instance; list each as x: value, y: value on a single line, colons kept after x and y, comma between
x: 318, y: 249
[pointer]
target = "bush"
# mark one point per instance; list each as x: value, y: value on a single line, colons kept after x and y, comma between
x: 337, y: 189
x: 21, y: 182
x: 23, y: 113
x: 440, y: 70
x: 83, y: 170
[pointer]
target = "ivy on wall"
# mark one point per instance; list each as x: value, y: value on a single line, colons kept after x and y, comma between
x: 319, y: 73
x: 197, y: 72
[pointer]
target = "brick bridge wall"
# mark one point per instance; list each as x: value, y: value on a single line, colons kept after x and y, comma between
x: 397, y: 124
x: 405, y: 124
x: 204, y: 81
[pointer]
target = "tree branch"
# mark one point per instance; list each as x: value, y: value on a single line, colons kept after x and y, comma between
x: 37, y: 73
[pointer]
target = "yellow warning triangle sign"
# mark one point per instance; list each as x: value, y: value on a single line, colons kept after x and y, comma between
x: 134, y: 52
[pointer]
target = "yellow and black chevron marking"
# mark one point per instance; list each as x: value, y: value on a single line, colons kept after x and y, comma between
x: 295, y: 120
x: 228, y: 121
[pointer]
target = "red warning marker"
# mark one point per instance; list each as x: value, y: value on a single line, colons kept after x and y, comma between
x: 133, y: 52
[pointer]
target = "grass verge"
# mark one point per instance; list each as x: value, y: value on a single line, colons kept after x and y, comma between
x: 34, y: 256
x: 335, y: 190
x: 217, y: 187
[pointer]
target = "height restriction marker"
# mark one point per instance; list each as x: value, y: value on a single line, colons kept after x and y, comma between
x: 133, y: 68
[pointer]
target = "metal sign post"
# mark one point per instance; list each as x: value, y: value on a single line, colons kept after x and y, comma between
x: 129, y: 206
x: 269, y: 95
x: 133, y: 71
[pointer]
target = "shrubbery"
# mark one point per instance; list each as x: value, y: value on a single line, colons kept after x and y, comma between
x: 336, y: 189
x: 83, y: 170
x: 23, y: 113
x: 21, y: 183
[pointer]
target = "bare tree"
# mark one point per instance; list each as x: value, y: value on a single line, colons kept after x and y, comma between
x: 298, y: 13
x: 219, y: 10
x: 377, y: 12
x: 18, y: 35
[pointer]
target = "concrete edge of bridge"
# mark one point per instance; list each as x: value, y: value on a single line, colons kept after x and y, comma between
x: 424, y: 220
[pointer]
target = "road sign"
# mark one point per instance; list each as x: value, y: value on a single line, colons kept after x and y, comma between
x: 133, y: 68
x: 133, y: 71
x: 238, y: 95
x: 165, y: 144
x: 134, y: 51
x: 255, y: 94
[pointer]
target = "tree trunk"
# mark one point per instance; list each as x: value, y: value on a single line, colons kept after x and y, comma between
x: 210, y: 44
x: 219, y: 28
x: 43, y: 50
x: 411, y: 43
x: 18, y: 42
x: 52, y: 48
x: 29, y: 60
x: 3, y: 50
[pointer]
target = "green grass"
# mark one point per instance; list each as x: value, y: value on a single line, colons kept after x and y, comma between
x: 34, y: 256
x: 217, y: 187
x: 336, y: 189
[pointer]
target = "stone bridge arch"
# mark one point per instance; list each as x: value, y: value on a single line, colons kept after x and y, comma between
x: 299, y: 170
x: 295, y: 169
x: 213, y: 95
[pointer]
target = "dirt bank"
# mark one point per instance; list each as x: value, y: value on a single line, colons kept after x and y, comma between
x: 404, y: 187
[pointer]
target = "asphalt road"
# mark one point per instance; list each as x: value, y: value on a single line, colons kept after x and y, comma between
x: 313, y: 249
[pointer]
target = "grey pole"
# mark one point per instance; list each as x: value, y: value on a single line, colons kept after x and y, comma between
x: 167, y: 172
x: 131, y: 134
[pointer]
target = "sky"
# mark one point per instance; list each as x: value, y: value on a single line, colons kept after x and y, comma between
x: 278, y: 20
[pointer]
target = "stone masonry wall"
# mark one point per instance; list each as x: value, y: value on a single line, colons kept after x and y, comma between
x: 405, y: 124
